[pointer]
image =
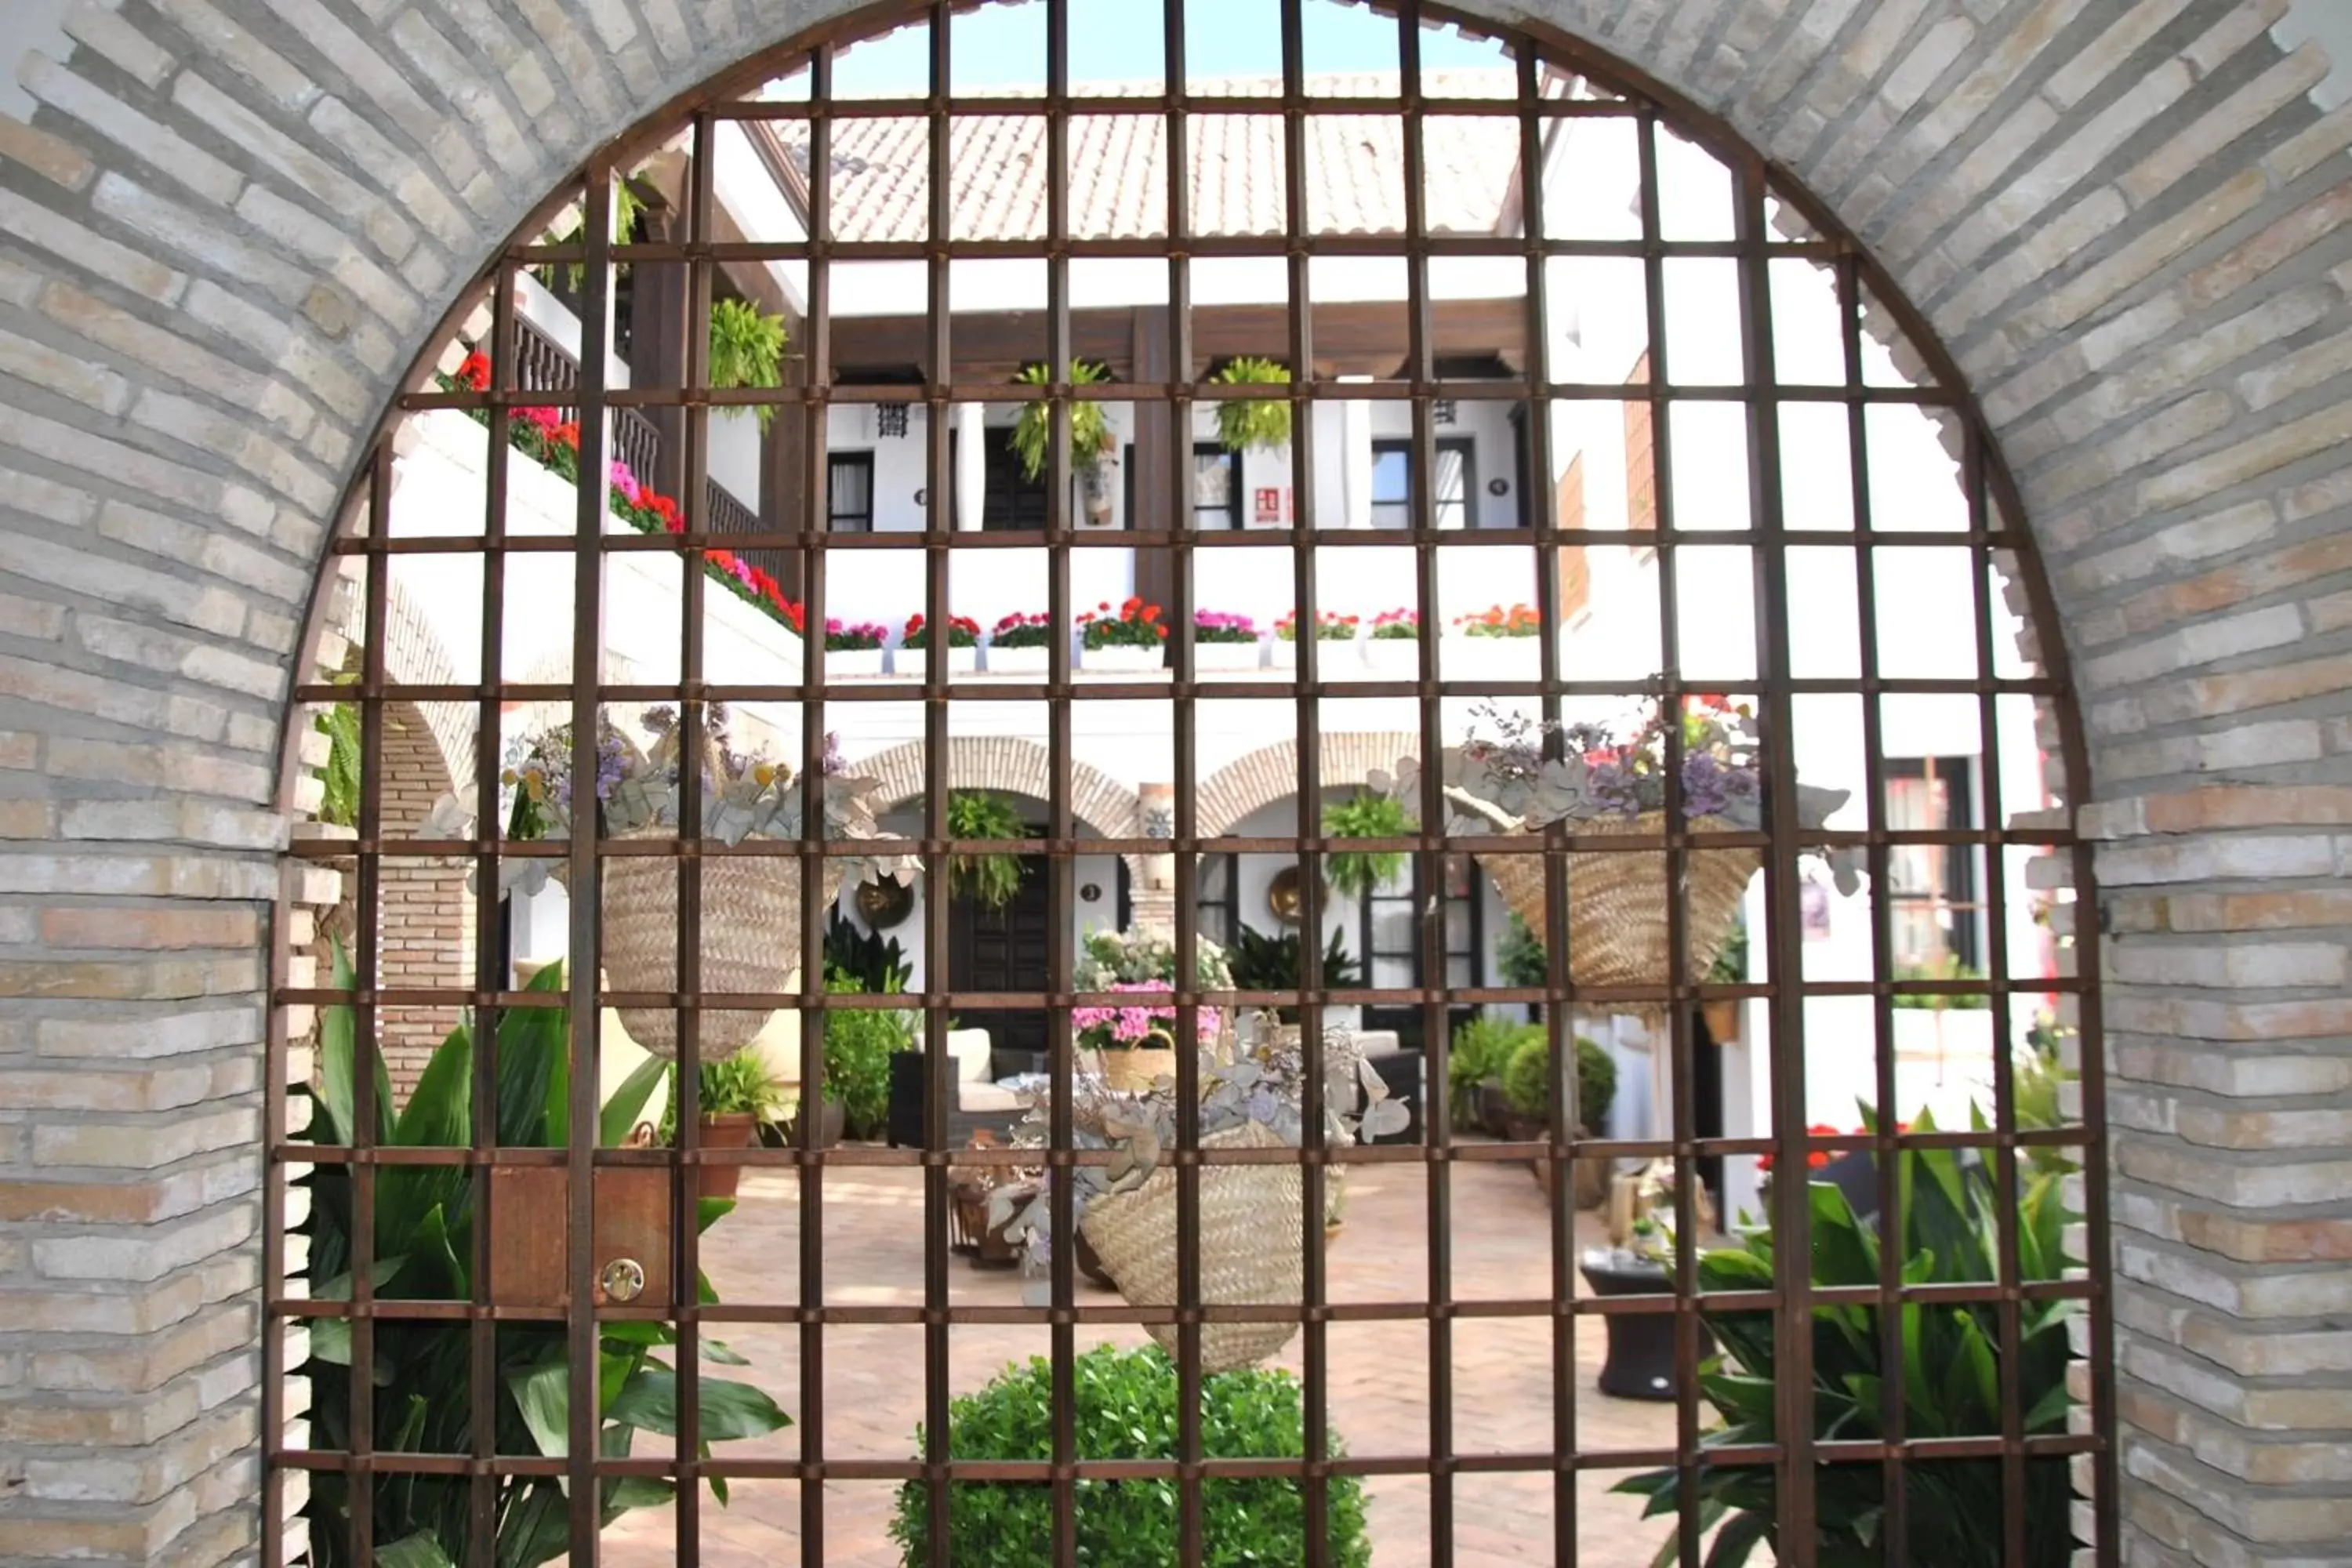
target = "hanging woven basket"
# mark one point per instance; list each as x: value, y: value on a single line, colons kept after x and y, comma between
x: 750, y: 939
x: 1617, y: 931
x: 1249, y: 1247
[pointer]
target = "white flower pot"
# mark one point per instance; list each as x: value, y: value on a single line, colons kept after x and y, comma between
x: 1129, y: 660
x: 1462, y: 657
x: 1282, y: 655
x: 1392, y: 658
x: 916, y: 662
x: 853, y: 663
x: 1034, y: 661
x: 1212, y: 658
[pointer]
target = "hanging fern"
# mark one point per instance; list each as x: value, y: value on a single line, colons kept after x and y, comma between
x: 340, y: 807
x: 1032, y: 432
x: 1367, y: 815
x: 627, y: 208
x: 747, y: 349
x: 1253, y: 421
x: 989, y: 880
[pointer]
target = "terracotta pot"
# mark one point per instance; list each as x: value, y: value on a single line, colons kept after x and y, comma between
x: 733, y: 1130
x: 1722, y: 1020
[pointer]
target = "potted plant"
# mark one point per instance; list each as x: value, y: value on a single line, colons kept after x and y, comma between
x: 1949, y: 1384
x: 1723, y: 1014
x: 735, y: 1097
x: 1262, y: 962
x: 1329, y: 627
x: 1492, y: 644
x: 1020, y: 644
x: 858, y: 1045
x: 1129, y: 1405
x: 1134, y: 1041
x: 1392, y: 651
x: 424, y: 1245
x: 1133, y: 637
x: 990, y: 880
x: 1521, y: 962
x: 750, y: 904
x: 1527, y: 1086
x: 913, y: 655
x: 853, y: 650
x: 1480, y: 1050
x: 1091, y: 439
x: 1365, y: 815
x: 1224, y: 642
x: 1247, y: 422
x: 746, y: 349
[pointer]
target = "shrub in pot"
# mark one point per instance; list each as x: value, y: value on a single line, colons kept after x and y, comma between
x: 1481, y: 1049
x: 1262, y: 962
x: 858, y: 1045
x: 1127, y: 1407
x: 1527, y: 1082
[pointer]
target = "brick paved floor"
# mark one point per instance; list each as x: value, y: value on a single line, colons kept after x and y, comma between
x: 1379, y: 1393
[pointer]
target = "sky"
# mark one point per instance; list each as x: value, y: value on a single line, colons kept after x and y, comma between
x: 1004, y: 45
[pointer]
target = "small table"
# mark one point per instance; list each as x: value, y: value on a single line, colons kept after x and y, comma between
x: 1640, y: 1360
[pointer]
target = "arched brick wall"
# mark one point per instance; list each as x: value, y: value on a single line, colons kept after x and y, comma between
x: 1011, y: 764
x: 230, y: 223
x: 1271, y: 774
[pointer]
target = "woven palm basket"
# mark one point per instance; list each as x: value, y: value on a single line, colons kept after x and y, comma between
x: 1617, y: 905
x: 750, y: 939
x: 1249, y: 1247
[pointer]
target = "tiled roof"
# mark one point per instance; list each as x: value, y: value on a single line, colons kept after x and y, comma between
x: 1118, y: 168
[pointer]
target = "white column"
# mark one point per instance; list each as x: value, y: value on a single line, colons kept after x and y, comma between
x: 971, y: 464
x: 1356, y: 456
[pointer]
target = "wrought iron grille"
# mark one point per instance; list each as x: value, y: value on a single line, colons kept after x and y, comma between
x: 336, y: 1158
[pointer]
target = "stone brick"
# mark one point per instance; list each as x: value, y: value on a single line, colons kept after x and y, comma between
x: 311, y: 173
x: 2083, y: 76
x: 143, y: 137
x: 2238, y: 115
x: 31, y: 223
x: 44, y: 155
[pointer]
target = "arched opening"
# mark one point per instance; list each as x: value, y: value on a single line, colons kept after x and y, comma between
x: 1501, y: 505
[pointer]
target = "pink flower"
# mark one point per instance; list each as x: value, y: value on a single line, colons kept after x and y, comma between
x: 625, y: 481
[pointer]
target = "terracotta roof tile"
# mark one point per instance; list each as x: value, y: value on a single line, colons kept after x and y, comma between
x: 1118, y: 168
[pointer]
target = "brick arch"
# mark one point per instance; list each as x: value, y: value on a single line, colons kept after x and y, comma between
x: 425, y: 926
x: 1015, y: 767
x: 1270, y: 773
x: 2124, y: 219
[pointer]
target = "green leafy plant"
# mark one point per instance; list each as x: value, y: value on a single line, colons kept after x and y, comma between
x: 1364, y: 814
x: 990, y: 880
x: 629, y: 207
x: 424, y: 1251
x: 1483, y: 1047
x: 2037, y: 1083
x: 1262, y: 962
x: 1127, y: 1406
x: 1032, y: 431
x: 339, y: 806
x: 1948, y: 969
x: 1526, y: 1079
x: 1730, y: 965
x: 1253, y: 421
x: 746, y: 349
x: 876, y: 962
x: 737, y: 1085
x: 858, y: 1045
x: 1520, y: 956
x: 1949, y: 1384
x: 1133, y: 625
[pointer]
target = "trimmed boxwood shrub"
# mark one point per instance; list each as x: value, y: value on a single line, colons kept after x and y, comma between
x: 1127, y: 1409
x: 1527, y: 1080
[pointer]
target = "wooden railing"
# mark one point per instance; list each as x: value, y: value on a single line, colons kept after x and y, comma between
x: 543, y: 364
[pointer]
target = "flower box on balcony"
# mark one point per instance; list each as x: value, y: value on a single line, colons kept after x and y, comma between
x: 915, y: 662
x: 1465, y: 658
x: 1391, y: 658
x: 1224, y: 657
x: 1127, y: 660
x: 1032, y: 662
x: 853, y: 663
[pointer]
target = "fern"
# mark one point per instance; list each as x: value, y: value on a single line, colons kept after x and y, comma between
x: 340, y: 807
x: 1032, y: 432
x: 1253, y: 421
x: 747, y: 349
x: 1359, y: 872
x: 989, y: 880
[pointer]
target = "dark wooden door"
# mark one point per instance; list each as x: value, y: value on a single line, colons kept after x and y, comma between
x: 1004, y: 950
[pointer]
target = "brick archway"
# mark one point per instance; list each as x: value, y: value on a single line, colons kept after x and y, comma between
x: 1012, y: 765
x: 1271, y: 774
x: 232, y: 224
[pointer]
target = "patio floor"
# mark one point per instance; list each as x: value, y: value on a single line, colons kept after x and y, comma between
x: 1379, y: 1384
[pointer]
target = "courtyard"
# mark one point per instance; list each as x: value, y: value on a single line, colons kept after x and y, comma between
x: 1379, y: 1394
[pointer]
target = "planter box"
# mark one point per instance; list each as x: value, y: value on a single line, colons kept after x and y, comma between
x: 1029, y: 661
x: 1463, y: 657
x: 1392, y: 658
x: 916, y: 662
x: 1129, y: 660
x: 853, y: 663
x: 1225, y: 657
x: 1339, y: 657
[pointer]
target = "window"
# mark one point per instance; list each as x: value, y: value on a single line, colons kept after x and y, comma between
x: 1009, y: 498
x: 1216, y: 488
x: 1932, y: 888
x: 1390, y: 933
x: 1216, y: 897
x: 849, y: 492
x: 1456, y: 492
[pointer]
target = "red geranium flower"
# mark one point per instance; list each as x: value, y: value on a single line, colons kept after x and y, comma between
x: 475, y: 370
